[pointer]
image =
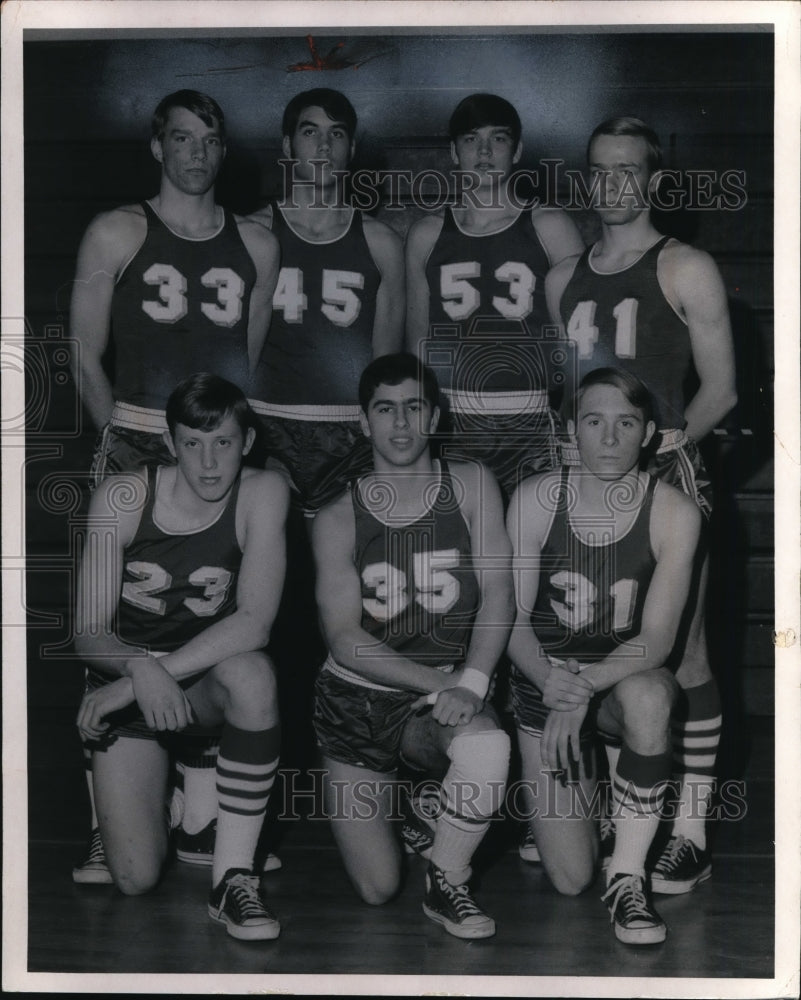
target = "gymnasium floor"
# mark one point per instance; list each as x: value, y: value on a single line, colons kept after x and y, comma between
x: 723, y: 929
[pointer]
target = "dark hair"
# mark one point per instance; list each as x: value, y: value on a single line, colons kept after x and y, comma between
x: 336, y: 106
x: 205, y: 107
x: 392, y: 369
x: 628, y: 125
x: 202, y: 401
x: 479, y: 110
x: 633, y: 388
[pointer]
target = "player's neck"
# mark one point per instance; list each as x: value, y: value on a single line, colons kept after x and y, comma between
x: 178, y: 508
x: 621, y: 242
x: 486, y: 209
x: 316, y: 214
x: 408, y: 487
x: 194, y: 216
x: 609, y: 499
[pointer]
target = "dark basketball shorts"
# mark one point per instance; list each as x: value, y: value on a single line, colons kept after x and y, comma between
x: 123, y: 448
x: 677, y: 461
x: 318, y: 458
x: 371, y: 728
x: 130, y: 722
x: 512, y: 445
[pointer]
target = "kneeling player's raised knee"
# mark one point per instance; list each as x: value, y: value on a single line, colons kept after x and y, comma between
x: 248, y: 682
x: 647, y: 699
x: 479, y: 768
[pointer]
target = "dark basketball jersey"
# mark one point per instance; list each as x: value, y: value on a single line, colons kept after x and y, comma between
x: 181, y: 306
x: 591, y: 593
x: 321, y: 334
x: 623, y: 319
x: 487, y: 309
x: 176, y: 585
x: 419, y: 589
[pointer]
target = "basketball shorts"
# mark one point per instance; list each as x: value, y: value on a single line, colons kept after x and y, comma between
x: 512, y: 445
x: 530, y: 712
x: 130, y: 722
x: 374, y: 728
x: 132, y: 438
x: 318, y: 458
x: 677, y: 461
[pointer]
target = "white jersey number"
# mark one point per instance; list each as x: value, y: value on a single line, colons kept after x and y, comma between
x: 172, y: 303
x: 341, y: 305
x: 436, y: 590
x: 152, y: 579
x: 580, y: 601
x: 460, y: 299
x: 582, y: 329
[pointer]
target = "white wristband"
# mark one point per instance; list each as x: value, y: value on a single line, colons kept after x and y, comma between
x: 475, y: 681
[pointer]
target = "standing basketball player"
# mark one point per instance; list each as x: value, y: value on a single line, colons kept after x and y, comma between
x: 178, y: 285
x: 475, y: 291
x: 339, y: 302
x: 415, y: 596
x: 657, y: 307
x: 187, y: 560
x: 603, y: 561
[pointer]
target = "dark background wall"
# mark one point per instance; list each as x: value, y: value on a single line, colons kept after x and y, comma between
x: 87, y: 106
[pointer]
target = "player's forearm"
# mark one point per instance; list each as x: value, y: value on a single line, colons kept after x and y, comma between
x: 106, y: 653
x: 376, y: 661
x: 645, y: 652
x: 241, y: 632
x: 94, y: 388
x: 489, y: 635
x: 526, y: 654
x: 707, y: 408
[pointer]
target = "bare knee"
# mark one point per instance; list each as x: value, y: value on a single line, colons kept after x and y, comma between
x: 378, y: 889
x: 646, y: 700
x: 135, y: 880
x: 248, y: 684
x: 570, y: 876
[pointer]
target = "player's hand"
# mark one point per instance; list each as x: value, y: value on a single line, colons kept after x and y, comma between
x: 565, y: 688
x: 559, y: 747
x: 159, y: 696
x: 96, y: 705
x: 456, y: 706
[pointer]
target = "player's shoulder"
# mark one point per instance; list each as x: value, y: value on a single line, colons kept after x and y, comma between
x: 425, y: 230
x: 540, y: 490
x: 262, y: 216
x: 563, y: 270
x: 256, y: 234
x: 335, y: 520
x: 378, y: 232
x: 121, y: 494
x: 264, y: 490
x: 118, y: 226
x: 687, y: 270
x: 557, y: 231
x: 672, y: 508
x: 680, y: 256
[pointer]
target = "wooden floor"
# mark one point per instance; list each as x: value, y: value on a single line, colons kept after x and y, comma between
x: 722, y: 930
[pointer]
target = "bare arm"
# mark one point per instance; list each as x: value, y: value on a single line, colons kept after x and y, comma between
x: 264, y: 250
x: 419, y: 242
x: 675, y: 528
x: 528, y: 523
x: 390, y: 307
x: 558, y: 234
x: 555, y: 283
x: 109, y: 242
x: 339, y: 599
x: 693, y: 281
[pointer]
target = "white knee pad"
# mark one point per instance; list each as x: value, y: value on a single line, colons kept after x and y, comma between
x: 476, y: 780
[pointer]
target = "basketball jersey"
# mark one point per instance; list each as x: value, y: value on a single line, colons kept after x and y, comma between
x: 591, y: 594
x: 486, y: 312
x: 622, y: 319
x: 321, y: 334
x: 175, y: 585
x: 181, y: 306
x: 420, y: 593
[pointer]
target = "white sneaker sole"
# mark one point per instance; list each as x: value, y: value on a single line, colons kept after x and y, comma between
x: 468, y: 931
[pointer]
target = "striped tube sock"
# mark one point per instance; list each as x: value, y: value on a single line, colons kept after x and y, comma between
x: 246, y: 768
x: 637, y: 794
x: 696, y: 736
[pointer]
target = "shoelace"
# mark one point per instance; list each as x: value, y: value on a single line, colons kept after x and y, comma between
x: 96, y: 853
x: 459, y: 896
x: 245, y: 892
x: 607, y: 828
x: 677, y: 849
x: 630, y: 891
